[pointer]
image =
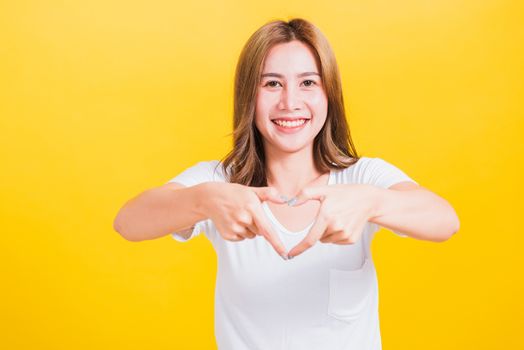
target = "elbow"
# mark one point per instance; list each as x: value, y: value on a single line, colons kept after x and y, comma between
x: 119, y: 228
x: 127, y: 236
x: 117, y: 223
x: 445, y: 237
x: 442, y: 237
x: 455, y: 225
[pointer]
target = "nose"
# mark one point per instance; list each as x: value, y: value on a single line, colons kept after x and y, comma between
x: 289, y: 98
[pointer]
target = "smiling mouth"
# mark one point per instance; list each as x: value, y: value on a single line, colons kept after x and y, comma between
x: 290, y: 124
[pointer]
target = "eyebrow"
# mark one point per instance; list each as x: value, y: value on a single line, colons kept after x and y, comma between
x: 281, y: 76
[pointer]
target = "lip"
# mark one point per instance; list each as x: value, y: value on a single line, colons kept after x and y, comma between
x: 293, y: 130
x: 290, y: 118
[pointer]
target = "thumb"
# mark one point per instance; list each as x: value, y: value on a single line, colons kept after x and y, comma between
x: 269, y: 193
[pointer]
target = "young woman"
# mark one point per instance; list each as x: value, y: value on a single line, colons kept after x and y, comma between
x: 293, y: 186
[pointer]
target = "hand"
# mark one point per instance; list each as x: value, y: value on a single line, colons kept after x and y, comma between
x: 343, y: 213
x: 237, y: 212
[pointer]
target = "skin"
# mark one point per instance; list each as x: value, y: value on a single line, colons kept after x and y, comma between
x: 345, y: 208
x: 289, y: 157
x: 286, y: 92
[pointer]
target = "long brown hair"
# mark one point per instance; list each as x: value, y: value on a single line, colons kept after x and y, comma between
x: 333, y: 147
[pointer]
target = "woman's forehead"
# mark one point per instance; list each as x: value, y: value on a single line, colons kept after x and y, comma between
x: 290, y: 58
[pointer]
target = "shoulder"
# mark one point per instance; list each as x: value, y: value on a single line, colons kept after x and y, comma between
x: 357, y: 166
x: 210, y: 168
x: 202, y: 171
x: 369, y: 164
x: 372, y: 170
x: 382, y: 173
x: 207, y: 164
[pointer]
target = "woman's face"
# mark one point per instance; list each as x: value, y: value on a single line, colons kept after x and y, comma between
x: 291, y: 105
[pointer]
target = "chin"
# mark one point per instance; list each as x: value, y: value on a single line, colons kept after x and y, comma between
x: 291, y: 148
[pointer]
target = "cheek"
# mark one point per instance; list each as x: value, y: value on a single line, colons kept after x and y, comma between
x: 264, y: 102
x: 261, y: 113
x: 263, y: 107
x: 258, y: 124
x: 260, y: 105
x: 319, y: 103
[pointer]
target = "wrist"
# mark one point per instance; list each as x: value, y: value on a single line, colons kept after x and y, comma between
x: 377, y: 199
x: 203, y: 197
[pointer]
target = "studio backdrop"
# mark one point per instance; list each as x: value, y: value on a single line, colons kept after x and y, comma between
x: 102, y: 100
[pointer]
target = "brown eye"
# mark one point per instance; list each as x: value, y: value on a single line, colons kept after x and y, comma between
x: 311, y: 82
x: 271, y: 83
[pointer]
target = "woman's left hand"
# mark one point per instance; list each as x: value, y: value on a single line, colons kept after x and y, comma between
x: 344, y: 211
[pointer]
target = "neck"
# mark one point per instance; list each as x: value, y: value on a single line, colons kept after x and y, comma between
x: 290, y: 172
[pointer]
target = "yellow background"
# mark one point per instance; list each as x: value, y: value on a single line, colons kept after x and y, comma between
x: 101, y: 100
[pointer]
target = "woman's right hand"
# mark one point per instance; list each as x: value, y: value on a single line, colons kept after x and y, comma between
x: 236, y: 210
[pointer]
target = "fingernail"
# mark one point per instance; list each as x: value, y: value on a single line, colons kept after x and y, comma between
x: 292, y: 201
x: 284, y: 256
x: 284, y: 198
x: 289, y: 257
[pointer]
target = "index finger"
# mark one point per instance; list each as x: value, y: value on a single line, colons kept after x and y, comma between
x: 263, y: 225
x: 312, y: 237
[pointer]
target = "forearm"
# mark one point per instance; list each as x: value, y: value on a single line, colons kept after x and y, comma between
x: 418, y: 213
x: 160, y: 211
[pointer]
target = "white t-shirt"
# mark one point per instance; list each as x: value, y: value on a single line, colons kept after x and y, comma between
x: 325, y: 298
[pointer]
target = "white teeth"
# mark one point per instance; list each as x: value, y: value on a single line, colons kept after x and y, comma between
x: 288, y: 124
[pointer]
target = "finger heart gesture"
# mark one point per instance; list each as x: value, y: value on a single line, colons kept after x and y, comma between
x: 344, y: 211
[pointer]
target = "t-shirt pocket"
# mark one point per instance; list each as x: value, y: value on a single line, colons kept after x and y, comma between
x: 350, y: 291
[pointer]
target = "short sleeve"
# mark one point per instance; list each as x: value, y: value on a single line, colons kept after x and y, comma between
x: 200, y: 172
x: 200, y: 226
x: 383, y: 174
